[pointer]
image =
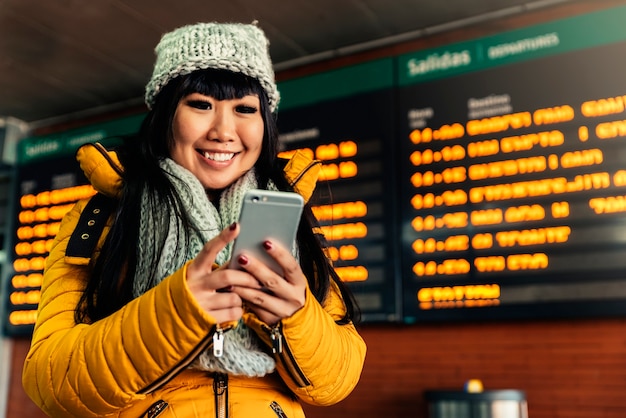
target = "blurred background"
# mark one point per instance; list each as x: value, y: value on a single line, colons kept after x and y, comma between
x: 473, y: 181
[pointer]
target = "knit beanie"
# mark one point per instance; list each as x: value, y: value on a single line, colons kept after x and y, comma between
x: 241, y: 48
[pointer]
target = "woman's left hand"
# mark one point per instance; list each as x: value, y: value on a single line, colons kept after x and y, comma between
x: 283, y: 295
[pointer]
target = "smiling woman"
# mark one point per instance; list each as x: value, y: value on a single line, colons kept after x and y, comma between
x: 218, y: 140
x: 162, y: 326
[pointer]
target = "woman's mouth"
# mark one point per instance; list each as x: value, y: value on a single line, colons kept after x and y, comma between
x: 218, y: 156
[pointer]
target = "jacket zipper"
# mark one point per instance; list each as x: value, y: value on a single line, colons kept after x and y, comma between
x: 277, y: 408
x: 203, y: 345
x: 218, y: 341
x: 220, y: 389
x: 281, y: 348
x: 155, y: 409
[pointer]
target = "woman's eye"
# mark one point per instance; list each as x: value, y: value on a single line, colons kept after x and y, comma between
x: 246, y: 109
x: 199, y: 104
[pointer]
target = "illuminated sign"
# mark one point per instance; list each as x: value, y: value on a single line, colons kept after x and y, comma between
x: 513, y: 186
x: 355, y: 197
x: 480, y: 180
x: 48, y: 184
x: 46, y: 193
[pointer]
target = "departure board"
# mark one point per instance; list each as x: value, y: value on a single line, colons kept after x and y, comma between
x: 479, y: 180
x: 48, y: 183
x: 514, y: 182
x: 43, y: 202
x: 352, y: 135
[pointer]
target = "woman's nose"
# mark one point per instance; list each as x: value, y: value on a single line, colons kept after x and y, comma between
x: 222, y: 127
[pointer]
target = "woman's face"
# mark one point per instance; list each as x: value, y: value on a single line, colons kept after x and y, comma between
x: 217, y: 140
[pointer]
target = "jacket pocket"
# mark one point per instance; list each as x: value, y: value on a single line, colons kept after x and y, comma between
x: 155, y: 409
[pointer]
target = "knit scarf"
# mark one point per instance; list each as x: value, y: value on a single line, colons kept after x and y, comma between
x: 243, y: 353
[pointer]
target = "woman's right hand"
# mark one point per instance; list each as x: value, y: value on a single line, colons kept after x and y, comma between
x: 209, y: 285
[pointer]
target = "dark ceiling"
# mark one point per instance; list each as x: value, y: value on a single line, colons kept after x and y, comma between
x: 60, y: 57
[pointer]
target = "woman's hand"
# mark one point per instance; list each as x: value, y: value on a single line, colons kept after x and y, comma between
x: 281, y: 296
x: 212, y: 287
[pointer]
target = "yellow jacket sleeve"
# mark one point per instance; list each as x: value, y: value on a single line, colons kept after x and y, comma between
x: 95, y: 369
x: 321, y: 361
x: 330, y: 355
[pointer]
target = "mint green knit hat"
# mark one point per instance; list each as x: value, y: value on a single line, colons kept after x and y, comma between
x: 241, y: 48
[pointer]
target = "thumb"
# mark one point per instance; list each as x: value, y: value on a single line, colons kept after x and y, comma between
x: 206, y: 257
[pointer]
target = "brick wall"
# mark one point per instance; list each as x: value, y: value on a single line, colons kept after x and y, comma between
x: 568, y: 369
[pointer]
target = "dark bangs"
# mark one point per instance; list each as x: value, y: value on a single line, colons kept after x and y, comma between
x: 222, y: 85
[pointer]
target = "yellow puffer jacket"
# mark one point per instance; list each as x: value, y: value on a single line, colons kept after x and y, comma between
x: 133, y: 363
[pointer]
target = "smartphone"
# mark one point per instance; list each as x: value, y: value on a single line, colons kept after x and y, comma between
x: 267, y: 214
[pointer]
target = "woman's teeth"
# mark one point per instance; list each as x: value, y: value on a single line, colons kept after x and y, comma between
x: 219, y: 156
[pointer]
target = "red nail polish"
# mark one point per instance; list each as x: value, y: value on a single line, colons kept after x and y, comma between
x: 242, y: 259
x: 233, y: 226
x: 267, y: 245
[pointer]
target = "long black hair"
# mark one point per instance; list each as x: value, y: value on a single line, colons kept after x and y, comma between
x: 110, y: 284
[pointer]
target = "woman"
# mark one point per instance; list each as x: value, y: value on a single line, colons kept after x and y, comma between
x: 148, y: 320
